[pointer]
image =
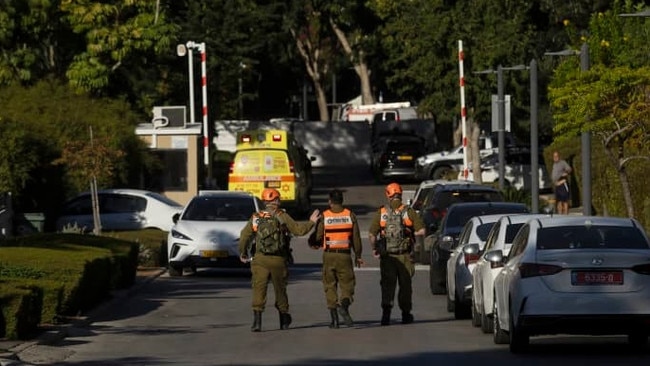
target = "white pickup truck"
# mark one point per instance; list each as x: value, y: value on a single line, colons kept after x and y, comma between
x: 437, y: 165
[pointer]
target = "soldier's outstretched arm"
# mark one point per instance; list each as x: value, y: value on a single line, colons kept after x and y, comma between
x: 300, y: 228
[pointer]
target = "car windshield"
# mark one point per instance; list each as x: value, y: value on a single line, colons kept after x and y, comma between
x: 590, y: 237
x: 412, y: 148
x: 207, y: 208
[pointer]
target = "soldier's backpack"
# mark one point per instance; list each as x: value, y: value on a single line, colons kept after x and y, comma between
x: 394, y: 232
x: 269, y: 238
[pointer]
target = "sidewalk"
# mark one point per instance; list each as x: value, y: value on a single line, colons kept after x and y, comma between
x: 38, y: 351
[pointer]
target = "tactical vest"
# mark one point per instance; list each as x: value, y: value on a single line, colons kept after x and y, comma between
x: 338, y: 229
x: 270, y: 238
x: 394, y: 225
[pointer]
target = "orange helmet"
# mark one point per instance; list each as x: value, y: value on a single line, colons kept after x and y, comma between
x: 270, y: 194
x: 393, y: 189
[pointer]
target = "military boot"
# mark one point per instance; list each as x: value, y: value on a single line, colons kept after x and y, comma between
x: 335, y: 319
x: 257, y: 321
x: 345, y: 312
x: 385, y: 316
x: 285, y: 320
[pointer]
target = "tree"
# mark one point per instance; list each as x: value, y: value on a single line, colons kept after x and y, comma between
x: 616, y: 103
x: 18, y: 156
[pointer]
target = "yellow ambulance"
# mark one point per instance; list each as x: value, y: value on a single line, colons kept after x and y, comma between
x: 272, y: 159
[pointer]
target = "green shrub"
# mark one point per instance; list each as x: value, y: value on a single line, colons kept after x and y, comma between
x: 20, y: 310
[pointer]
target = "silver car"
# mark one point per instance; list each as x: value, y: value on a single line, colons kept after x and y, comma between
x: 585, y: 275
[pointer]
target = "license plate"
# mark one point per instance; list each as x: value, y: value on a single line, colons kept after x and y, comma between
x: 405, y: 157
x: 273, y: 184
x: 214, y: 253
x: 586, y: 278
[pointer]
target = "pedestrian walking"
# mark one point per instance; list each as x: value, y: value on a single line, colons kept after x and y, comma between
x: 560, y: 175
x: 337, y: 233
x: 270, y: 231
x: 393, y: 232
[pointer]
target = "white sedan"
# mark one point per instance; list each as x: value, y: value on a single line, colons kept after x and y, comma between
x: 206, y: 233
x: 585, y: 275
x: 500, y: 237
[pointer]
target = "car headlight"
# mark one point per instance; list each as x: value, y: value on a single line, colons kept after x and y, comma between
x: 178, y: 235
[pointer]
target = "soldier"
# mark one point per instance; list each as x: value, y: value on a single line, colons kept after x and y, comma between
x: 393, y: 230
x: 338, y: 234
x: 270, y: 230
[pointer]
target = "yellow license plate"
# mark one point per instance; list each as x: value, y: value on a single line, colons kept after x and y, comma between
x: 405, y: 157
x: 214, y: 253
x: 273, y: 184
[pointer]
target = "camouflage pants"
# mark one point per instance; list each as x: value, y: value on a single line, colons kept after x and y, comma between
x: 338, y: 274
x: 265, y: 269
x: 396, y: 269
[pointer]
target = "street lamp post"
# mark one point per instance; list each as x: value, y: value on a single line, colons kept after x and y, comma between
x: 501, y: 116
x: 585, y: 137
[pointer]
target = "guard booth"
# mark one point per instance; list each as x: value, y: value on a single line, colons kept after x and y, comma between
x: 175, y: 142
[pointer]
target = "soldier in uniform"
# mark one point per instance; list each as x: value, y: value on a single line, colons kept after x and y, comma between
x: 395, y: 252
x: 271, y: 267
x: 338, y: 235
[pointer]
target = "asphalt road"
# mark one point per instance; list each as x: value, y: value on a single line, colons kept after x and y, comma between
x: 205, y: 318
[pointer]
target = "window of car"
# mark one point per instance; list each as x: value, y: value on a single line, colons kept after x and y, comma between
x: 519, y: 242
x: 420, y: 195
x: 447, y: 198
x: 119, y: 203
x: 206, y: 208
x: 493, y: 235
x: 591, y: 237
x: 78, y: 206
x: 465, y: 233
x: 164, y: 199
x: 483, y: 230
x: 511, y: 231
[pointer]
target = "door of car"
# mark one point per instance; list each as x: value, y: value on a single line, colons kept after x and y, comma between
x: 79, y: 212
x: 122, y: 212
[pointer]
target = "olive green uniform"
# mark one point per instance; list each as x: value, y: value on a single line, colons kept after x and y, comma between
x: 338, y: 267
x: 396, y: 268
x: 271, y: 267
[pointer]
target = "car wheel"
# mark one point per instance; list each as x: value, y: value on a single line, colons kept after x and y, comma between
x: 163, y: 255
x: 486, y: 324
x: 450, y: 304
x: 435, y: 282
x: 476, y: 316
x: 440, y: 172
x: 175, y: 271
x: 519, y: 339
x: 500, y: 336
x: 637, y: 340
x: 460, y: 310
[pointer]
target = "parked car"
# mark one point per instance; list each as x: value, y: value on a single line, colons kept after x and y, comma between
x: 517, y: 170
x: 206, y: 233
x: 437, y: 165
x: 500, y: 237
x: 437, y: 201
x: 584, y: 275
x: 446, y: 237
x: 120, y: 209
x: 394, y: 156
x: 462, y: 261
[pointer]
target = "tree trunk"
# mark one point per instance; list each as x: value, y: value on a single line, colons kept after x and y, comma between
x: 359, y: 63
x: 615, y: 155
x: 474, y: 132
x: 321, y: 99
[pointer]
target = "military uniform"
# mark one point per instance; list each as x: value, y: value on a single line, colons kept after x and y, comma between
x: 338, y: 235
x: 266, y: 267
x: 398, y: 267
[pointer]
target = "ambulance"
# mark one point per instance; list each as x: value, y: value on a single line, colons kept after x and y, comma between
x: 272, y: 159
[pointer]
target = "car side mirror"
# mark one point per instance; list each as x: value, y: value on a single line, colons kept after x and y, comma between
x: 446, y: 243
x: 471, y: 249
x: 495, y: 257
x: 176, y: 217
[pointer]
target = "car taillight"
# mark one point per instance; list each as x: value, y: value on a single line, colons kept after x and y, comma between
x: 471, y: 258
x: 536, y: 269
x: 643, y: 269
x: 231, y: 168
